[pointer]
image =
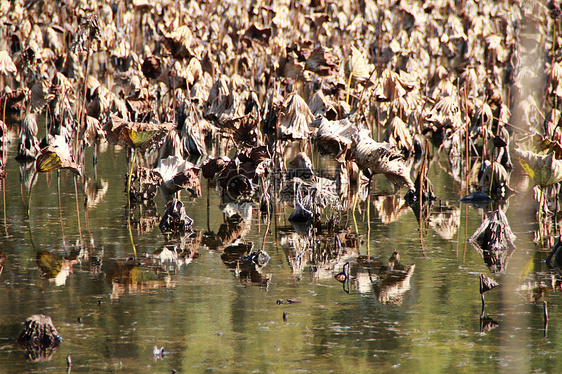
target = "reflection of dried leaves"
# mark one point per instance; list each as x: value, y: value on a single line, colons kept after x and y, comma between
x: 247, y: 264
x: 132, y: 276
x: 393, y: 284
x: 148, y: 182
x: 319, y: 254
x: 175, y: 220
x: 54, y: 267
x: 28, y: 144
x: 445, y: 220
x: 389, y: 207
x: 554, y: 259
x: 95, y: 191
x: 388, y: 281
x: 487, y: 324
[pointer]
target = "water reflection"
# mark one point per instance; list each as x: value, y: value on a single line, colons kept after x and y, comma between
x: 389, y: 281
x: 247, y: 264
x: 445, y: 220
x: 319, y: 254
x: 389, y: 207
x: 55, y: 267
x: 94, y: 191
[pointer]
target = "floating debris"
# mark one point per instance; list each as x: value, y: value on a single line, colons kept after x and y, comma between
x: 494, y: 241
x: 40, y: 338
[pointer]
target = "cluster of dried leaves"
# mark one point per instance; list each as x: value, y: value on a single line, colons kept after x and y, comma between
x: 367, y: 82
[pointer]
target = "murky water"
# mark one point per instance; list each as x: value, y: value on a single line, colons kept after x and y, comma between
x: 211, y: 318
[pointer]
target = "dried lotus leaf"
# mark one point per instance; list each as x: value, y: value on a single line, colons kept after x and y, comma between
x: 182, y: 44
x: 322, y: 61
x: 358, y: 66
x: 136, y: 134
x: 545, y: 170
x: 259, y: 34
x: 294, y: 120
x: 7, y: 66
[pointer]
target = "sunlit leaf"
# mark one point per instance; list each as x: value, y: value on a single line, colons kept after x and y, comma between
x: 56, y: 156
x: 136, y: 134
x: 544, y: 170
x: 48, y: 161
x: 138, y: 138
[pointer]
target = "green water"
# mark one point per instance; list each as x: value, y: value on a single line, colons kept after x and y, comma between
x: 210, y: 320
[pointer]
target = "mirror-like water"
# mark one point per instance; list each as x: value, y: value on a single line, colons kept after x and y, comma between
x: 212, y: 318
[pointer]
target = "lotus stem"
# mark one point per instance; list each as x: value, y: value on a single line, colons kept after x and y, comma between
x: 129, y: 178
x: 131, y: 234
x: 208, y: 209
x: 348, y: 87
x: 353, y: 206
x: 4, y: 112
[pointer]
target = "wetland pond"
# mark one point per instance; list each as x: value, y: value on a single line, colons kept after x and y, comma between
x: 275, y: 186
x: 210, y: 314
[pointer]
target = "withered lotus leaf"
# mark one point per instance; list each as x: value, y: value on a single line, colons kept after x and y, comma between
x: 258, y: 34
x: 214, y: 167
x: 381, y: 158
x: 334, y: 137
x: 56, y: 156
x: 7, y: 66
x: 136, y: 134
x: 357, y: 66
x: 399, y: 136
x: 487, y: 283
x: 322, y: 61
x: 179, y: 174
x: 182, y: 44
x: 294, y: 120
x: 545, y: 170
x: 152, y: 67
